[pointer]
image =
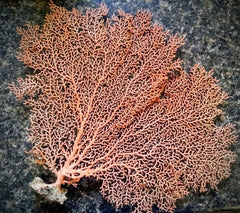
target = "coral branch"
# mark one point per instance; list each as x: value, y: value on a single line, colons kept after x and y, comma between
x: 109, y: 100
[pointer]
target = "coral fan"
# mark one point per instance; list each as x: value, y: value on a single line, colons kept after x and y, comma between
x: 110, y: 100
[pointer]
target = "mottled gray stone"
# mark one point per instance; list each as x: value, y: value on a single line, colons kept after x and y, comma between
x: 212, y: 35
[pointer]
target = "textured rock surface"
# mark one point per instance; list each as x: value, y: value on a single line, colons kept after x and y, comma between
x: 212, y: 39
x: 48, y: 190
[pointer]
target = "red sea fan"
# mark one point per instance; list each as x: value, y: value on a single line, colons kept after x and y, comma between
x: 109, y: 100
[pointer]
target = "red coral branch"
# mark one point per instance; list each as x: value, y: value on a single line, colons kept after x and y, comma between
x: 106, y: 102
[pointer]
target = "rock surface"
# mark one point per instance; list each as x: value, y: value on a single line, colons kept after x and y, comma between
x: 212, y: 36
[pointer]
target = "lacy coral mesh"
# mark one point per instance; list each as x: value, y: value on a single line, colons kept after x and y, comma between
x: 109, y: 100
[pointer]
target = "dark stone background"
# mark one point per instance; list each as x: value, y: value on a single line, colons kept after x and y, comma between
x: 211, y: 28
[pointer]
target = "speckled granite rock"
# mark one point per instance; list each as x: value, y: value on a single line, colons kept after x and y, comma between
x: 212, y: 39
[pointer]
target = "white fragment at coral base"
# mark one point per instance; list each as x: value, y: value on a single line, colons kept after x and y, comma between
x: 51, y: 192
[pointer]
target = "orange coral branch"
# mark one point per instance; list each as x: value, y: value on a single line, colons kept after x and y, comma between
x: 109, y: 100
